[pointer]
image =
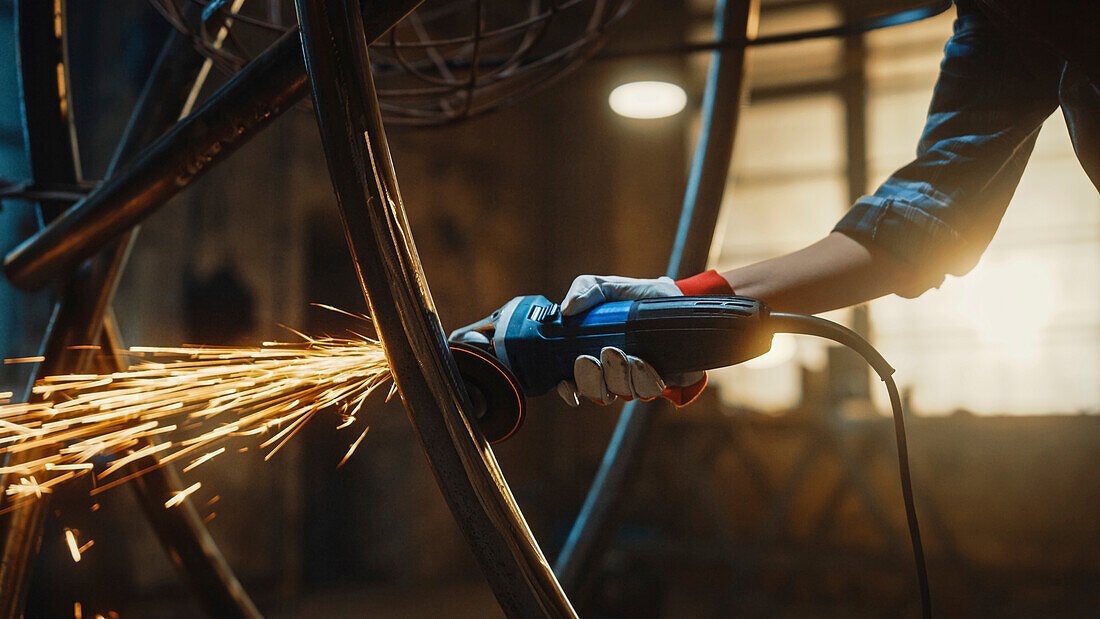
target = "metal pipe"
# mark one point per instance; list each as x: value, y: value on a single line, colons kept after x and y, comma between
x: 405, y: 318
x: 52, y: 152
x: 48, y: 130
x: 594, y: 528
x: 77, y: 320
x: 269, y: 85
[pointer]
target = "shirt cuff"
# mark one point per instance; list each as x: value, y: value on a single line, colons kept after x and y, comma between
x: 911, y: 235
x: 705, y: 283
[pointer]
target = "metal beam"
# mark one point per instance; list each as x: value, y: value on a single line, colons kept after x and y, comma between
x: 405, y: 317
x: 595, y: 526
x: 268, y: 86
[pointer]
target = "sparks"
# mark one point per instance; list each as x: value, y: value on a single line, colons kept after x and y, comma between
x: 24, y: 360
x: 74, y: 549
x: 182, y: 494
x: 177, y: 403
x: 353, y: 446
x: 200, y: 460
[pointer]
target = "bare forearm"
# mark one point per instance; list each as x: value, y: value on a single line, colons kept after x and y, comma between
x: 832, y: 273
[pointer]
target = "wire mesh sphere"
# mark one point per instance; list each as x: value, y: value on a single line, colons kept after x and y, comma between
x: 448, y: 60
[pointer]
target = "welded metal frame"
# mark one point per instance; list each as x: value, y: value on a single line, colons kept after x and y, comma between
x: 85, y: 298
x: 268, y: 86
x: 82, y: 315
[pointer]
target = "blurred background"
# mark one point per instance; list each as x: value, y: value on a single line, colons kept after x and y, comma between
x: 775, y: 494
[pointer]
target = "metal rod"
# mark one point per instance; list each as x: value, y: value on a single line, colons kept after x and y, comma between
x: 48, y: 129
x: 405, y: 317
x: 595, y: 526
x: 52, y: 152
x: 269, y: 85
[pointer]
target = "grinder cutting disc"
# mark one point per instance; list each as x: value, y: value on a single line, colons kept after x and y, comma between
x: 498, y: 404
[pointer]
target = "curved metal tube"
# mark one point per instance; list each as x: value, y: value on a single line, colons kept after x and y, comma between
x: 405, y: 317
x: 594, y: 527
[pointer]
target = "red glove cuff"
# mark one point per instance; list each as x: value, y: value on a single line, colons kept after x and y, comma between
x: 682, y: 396
x: 705, y: 283
x: 678, y: 395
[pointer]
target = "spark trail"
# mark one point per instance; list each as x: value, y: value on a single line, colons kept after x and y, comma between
x: 182, y: 404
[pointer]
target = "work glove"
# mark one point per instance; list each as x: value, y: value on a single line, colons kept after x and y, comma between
x: 616, y: 374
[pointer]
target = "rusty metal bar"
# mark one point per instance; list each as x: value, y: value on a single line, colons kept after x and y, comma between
x: 594, y: 528
x: 269, y: 85
x: 405, y: 317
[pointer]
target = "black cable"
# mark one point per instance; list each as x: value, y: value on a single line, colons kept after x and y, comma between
x: 812, y: 325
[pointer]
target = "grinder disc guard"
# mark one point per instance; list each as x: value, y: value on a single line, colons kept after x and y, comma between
x: 498, y: 404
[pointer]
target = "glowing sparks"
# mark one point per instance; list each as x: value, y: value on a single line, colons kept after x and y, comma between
x: 74, y: 549
x: 182, y: 494
x: 198, y: 461
x: 178, y: 403
x: 353, y: 446
x: 24, y: 360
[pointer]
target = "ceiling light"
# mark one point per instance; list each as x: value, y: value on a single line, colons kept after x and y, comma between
x: 647, y: 99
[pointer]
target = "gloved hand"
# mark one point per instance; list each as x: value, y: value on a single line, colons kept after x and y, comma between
x: 615, y: 373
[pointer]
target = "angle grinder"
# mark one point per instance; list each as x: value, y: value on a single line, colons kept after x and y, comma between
x: 527, y: 347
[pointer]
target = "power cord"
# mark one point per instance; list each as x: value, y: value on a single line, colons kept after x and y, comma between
x: 801, y: 324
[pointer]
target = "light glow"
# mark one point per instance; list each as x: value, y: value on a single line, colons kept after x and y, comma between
x: 783, y: 350
x: 647, y: 100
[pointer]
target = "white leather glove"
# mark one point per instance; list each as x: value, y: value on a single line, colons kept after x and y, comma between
x: 615, y: 373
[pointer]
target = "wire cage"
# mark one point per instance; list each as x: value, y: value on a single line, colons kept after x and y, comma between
x: 448, y: 60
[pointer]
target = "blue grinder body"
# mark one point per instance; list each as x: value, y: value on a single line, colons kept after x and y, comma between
x: 530, y: 336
